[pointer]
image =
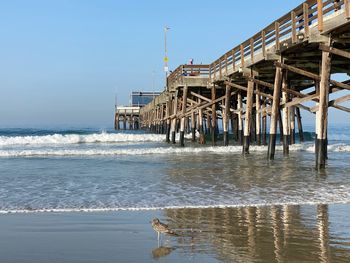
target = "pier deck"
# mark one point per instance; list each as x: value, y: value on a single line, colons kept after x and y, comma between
x: 271, y: 75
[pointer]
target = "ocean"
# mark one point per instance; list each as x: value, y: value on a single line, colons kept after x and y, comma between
x: 58, y: 173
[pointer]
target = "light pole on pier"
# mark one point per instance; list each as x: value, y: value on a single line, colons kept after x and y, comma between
x: 166, y: 67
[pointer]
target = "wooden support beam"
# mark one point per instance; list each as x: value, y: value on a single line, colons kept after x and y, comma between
x: 205, y: 105
x: 270, y: 86
x: 240, y: 121
x: 301, y: 106
x: 334, y: 102
x: 335, y: 51
x: 297, y: 101
x: 167, y: 114
x: 311, y: 75
x: 285, y: 116
x: 193, y: 123
x: 213, y: 115
x: 116, y: 121
x: 200, y: 126
x: 321, y: 154
x: 340, y: 84
x: 191, y: 102
x: 248, y: 117
x: 264, y: 122
x: 262, y: 83
x: 292, y: 124
x: 258, y: 116
x: 234, y: 85
x: 234, y: 119
x: 226, y: 114
x: 298, y: 71
x: 274, y: 113
x: 339, y: 107
x: 200, y: 96
x: 173, y: 121
x: 300, y: 125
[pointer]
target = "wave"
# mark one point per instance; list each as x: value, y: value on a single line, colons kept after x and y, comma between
x: 117, y: 209
x: 161, y: 150
x: 79, y: 138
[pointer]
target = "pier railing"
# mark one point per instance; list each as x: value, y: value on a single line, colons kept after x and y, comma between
x: 293, y: 26
x: 188, y: 71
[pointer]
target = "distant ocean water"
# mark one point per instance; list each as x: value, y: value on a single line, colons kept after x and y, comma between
x: 92, y: 170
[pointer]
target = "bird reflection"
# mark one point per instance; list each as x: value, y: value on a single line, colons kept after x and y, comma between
x: 161, y: 252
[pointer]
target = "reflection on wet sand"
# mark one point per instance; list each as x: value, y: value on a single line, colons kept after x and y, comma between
x: 260, y: 234
x: 161, y: 252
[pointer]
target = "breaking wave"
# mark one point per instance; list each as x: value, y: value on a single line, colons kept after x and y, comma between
x: 57, y: 139
x: 160, y: 150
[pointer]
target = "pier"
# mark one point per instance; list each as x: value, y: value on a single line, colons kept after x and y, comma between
x: 258, y: 88
x: 128, y: 117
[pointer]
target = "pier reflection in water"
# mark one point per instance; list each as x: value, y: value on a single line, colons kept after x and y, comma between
x: 264, y: 234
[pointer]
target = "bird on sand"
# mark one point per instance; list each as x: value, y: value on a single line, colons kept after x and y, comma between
x: 162, y: 228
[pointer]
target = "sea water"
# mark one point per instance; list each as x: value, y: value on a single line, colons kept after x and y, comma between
x: 93, y: 170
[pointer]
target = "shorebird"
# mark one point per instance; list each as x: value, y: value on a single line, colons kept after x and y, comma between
x: 162, y: 228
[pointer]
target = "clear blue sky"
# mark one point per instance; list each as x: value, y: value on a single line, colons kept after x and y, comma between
x: 61, y: 62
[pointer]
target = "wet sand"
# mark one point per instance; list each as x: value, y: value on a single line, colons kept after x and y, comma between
x: 251, y: 234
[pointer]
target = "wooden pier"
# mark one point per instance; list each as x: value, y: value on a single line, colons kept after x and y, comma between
x: 267, y: 79
x: 127, y: 117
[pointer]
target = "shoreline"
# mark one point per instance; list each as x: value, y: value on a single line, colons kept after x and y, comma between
x: 206, y: 235
x: 147, y: 209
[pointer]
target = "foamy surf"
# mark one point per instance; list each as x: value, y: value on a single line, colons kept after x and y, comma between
x: 119, y: 209
x: 160, y: 150
x: 57, y: 139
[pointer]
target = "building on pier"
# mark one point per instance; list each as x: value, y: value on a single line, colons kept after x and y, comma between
x: 129, y: 116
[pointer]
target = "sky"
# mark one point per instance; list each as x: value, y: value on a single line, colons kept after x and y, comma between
x: 63, y: 62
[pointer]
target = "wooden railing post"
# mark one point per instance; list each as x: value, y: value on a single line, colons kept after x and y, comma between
x: 214, y: 71
x: 210, y: 73
x: 306, y: 19
x: 220, y: 68
x: 233, y: 60
x: 294, y: 31
x: 347, y: 8
x: 277, y: 35
x: 263, y: 42
x: 242, y: 56
x: 252, y: 50
x: 226, y: 64
x: 320, y: 15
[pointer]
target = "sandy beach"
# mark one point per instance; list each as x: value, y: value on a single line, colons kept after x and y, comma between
x: 250, y: 234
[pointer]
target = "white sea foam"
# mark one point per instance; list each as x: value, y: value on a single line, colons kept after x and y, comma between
x: 159, y: 150
x: 77, y: 138
x: 118, y: 209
